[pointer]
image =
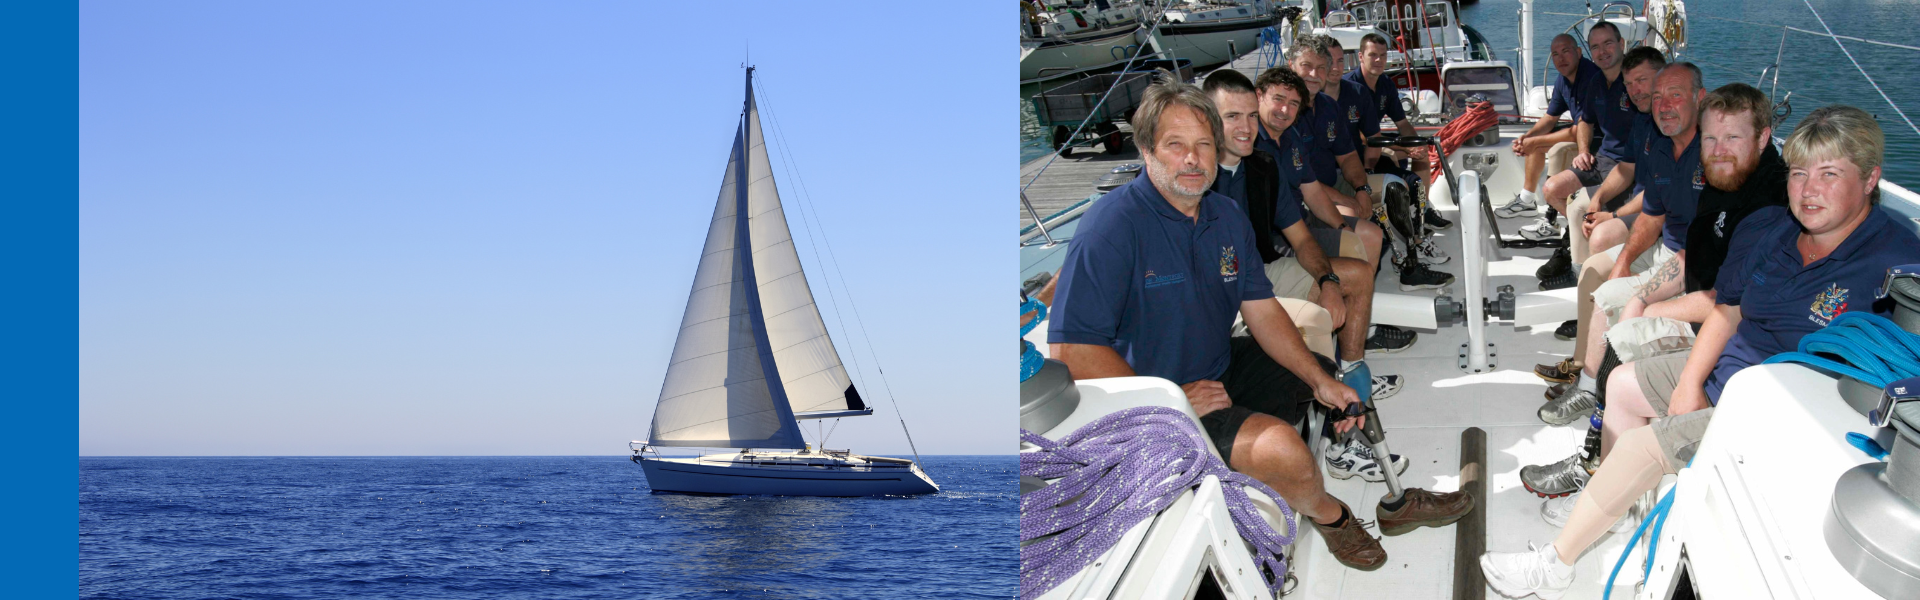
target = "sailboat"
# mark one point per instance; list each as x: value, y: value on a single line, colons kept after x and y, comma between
x: 753, y: 359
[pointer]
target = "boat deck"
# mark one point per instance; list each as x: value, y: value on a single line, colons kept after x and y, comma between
x: 1424, y: 423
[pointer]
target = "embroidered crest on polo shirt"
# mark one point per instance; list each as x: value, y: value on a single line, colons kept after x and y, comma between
x: 1154, y: 281
x: 1296, y: 158
x: 1623, y: 104
x: 1353, y: 113
x: 1698, y: 180
x: 1330, y: 131
x: 1229, y: 264
x: 1829, y: 304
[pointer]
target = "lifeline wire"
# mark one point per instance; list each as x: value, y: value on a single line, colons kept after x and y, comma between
x: 1113, y: 474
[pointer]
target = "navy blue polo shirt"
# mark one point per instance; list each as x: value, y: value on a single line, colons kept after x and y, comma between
x: 1383, y: 99
x: 1157, y: 286
x: 1328, y: 135
x: 1291, y: 153
x: 1640, y: 134
x: 1672, y: 185
x: 1289, y: 207
x: 1790, y: 301
x: 1356, y: 103
x: 1232, y: 183
x: 1575, y: 95
x: 1612, y: 112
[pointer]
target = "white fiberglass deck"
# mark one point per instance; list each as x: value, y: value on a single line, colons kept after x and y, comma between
x: 1424, y: 422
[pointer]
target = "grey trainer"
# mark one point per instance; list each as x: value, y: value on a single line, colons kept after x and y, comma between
x: 1573, y: 404
x: 1557, y: 479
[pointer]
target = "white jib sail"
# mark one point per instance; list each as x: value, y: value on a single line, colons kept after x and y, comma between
x: 748, y: 356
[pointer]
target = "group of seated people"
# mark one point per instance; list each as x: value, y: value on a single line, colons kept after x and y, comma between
x: 1274, y: 168
x: 1694, y: 206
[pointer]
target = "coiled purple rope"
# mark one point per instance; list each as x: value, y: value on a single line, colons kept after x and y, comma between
x: 1114, y: 473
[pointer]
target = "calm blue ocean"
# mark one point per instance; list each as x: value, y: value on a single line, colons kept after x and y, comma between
x: 526, y: 527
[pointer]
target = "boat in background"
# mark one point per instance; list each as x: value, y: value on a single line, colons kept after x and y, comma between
x: 753, y: 358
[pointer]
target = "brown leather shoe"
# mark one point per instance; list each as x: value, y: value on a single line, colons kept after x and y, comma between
x: 1424, y: 508
x: 1351, y: 544
x: 1562, y: 372
x: 1556, y: 390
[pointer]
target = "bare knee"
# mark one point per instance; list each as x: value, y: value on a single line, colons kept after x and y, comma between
x: 1355, y: 276
x: 1271, y: 450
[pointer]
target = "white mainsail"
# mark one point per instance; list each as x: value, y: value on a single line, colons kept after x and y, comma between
x: 749, y: 357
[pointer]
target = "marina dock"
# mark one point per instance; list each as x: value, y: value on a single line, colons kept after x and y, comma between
x: 1070, y: 179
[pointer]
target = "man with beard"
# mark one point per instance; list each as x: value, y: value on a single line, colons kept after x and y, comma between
x: 1746, y: 181
x: 1797, y: 275
x: 1295, y: 264
x: 1151, y: 285
x: 1579, y: 80
x: 1335, y: 166
x: 1611, y: 114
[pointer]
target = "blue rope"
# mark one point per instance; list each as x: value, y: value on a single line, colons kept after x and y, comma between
x: 1871, y: 349
x: 1030, y: 358
x: 1874, y: 350
x: 1657, y: 518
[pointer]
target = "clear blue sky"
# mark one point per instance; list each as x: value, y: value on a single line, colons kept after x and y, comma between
x: 469, y: 228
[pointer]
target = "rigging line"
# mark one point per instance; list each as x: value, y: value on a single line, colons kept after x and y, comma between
x: 788, y: 163
x: 1863, y: 71
x: 805, y: 207
x: 1157, y: 20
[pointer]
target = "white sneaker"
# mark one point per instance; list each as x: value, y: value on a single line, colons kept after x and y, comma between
x: 1353, y: 457
x: 1537, y: 571
x: 1384, y: 387
x: 1431, y: 254
x: 1542, y: 229
x: 1521, y: 206
x: 1556, y: 512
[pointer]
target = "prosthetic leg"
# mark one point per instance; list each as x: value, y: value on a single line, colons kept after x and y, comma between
x: 1403, y: 509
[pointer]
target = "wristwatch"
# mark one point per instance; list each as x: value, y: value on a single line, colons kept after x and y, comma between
x: 1365, y: 187
x: 1328, y: 277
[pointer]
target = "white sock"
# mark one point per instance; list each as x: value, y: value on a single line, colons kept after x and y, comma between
x: 1533, y: 197
x: 1347, y: 365
x: 1587, y: 384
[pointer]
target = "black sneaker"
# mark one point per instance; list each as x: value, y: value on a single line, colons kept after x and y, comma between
x: 1560, y: 262
x: 1390, y: 339
x: 1563, y: 280
x: 1435, y: 221
x: 1416, y: 276
x: 1567, y: 331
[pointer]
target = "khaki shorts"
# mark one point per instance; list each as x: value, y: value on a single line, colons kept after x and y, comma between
x: 1290, y: 280
x: 1658, y: 376
x: 1680, y: 436
x: 1641, y: 338
x: 1614, y: 295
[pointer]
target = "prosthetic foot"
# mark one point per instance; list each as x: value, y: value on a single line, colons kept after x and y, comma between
x: 1402, y: 509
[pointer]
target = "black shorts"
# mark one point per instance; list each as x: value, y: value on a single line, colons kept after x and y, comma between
x: 1257, y: 384
x: 1592, y: 177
